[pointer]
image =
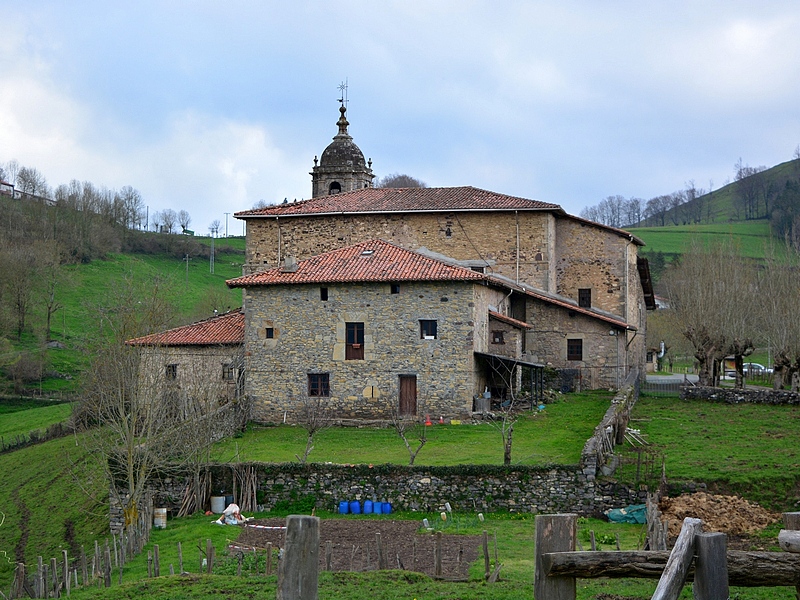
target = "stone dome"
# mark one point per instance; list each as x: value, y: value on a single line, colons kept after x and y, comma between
x: 342, y: 151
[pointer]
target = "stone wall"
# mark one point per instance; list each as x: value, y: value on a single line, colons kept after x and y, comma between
x: 484, y: 488
x: 734, y: 396
x: 506, y: 243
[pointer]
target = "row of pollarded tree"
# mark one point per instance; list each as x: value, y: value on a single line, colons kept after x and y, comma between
x: 726, y: 305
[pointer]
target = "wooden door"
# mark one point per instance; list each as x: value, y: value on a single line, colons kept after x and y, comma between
x: 408, y: 394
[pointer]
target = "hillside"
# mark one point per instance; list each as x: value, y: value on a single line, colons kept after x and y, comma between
x: 83, y: 288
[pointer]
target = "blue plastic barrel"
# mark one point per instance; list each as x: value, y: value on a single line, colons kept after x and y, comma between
x: 367, y: 507
x: 355, y: 507
x: 228, y: 499
x: 343, y: 507
x: 386, y: 508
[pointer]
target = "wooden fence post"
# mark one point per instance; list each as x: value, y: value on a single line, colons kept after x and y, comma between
x: 268, y: 566
x: 554, y: 533
x: 486, y: 565
x: 711, y: 570
x: 680, y: 559
x: 381, y: 554
x: 156, y: 561
x: 437, y: 555
x: 298, y: 569
x: 791, y: 521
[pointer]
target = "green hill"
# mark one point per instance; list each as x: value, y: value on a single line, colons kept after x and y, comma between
x: 193, y: 289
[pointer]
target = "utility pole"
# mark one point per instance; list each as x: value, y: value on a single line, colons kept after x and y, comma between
x: 226, y: 224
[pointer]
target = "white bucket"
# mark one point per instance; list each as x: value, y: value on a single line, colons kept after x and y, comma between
x: 218, y: 504
x: 160, y: 518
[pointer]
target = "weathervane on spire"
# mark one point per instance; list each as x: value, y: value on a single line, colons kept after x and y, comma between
x: 343, y: 90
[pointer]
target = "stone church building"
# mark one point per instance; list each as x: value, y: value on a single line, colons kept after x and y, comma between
x: 521, y: 284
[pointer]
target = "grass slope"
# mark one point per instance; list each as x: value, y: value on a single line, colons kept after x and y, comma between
x: 87, y: 286
x: 20, y: 416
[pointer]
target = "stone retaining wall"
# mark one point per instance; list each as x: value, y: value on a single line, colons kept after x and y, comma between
x: 734, y: 396
x: 485, y: 488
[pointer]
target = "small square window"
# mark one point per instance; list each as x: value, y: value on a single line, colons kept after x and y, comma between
x: 395, y: 288
x: 498, y: 337
x: 172, y: 371
x: 574, y: 349
x: 319, y: 384
x: 269, y: 332
x: 323, y: 294
x: 585, y: 298
x: 227, y: 372
x: 428, y: 329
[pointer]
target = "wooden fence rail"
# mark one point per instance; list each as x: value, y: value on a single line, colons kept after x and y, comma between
x: 698, y: 557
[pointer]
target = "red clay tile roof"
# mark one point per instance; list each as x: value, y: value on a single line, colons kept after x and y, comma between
x: 509, y: 320
x: 610, y: 319
x: 370, y: 261
x: 227, y: 328
x: 382, y: 200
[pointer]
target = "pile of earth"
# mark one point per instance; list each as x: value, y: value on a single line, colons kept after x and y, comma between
x: 727, y: 514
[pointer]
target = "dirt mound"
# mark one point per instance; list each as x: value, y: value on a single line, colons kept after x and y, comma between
x: 726, y: 514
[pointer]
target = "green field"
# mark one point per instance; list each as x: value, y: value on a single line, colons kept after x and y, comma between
x: 554, y: 435
x: 752, y: 237
x: 20, y: 416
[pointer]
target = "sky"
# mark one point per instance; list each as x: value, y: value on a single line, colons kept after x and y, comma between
x: 211, y: 107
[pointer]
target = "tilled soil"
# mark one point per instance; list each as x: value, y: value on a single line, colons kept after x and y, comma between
x: 354, y: 545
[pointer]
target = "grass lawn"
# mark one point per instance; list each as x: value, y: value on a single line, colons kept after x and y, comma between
x: 554, y: 435
x: 753, y: 450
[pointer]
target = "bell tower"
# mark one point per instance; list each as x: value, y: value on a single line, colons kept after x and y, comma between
x: 341, y: 168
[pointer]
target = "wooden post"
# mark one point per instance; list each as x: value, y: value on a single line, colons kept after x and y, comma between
x: 40, y: 585
x: 268, y: 567
x: 437, y: 555
x: 486, y: 564
x: 156, y: 562
x: 791, y: 521
x: 108, y: 566
x: 65, y: 572
x: 209, y: 556
x: 677, y: 568
x: 554, y: 533
x: 18, y: 588
x: 329, y: 555
x: 180, y: 559
x: 711, y: 570
x: 298, y: 571
x: 54, y: 577
x: 381, y: 554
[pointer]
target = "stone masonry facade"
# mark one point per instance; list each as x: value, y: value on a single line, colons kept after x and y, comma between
x: 547, y: 251
x: 294, y: 333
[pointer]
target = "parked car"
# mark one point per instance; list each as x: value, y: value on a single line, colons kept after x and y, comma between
x: 752, y: 368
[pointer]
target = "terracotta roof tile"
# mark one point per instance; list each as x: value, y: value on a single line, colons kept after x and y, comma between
x: 227, y: 328
x: 400, y: 200
x: 370, y: 261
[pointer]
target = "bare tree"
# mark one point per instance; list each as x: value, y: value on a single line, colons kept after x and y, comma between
x: 169, y: 219
x: 314, y: 417
x: 710, y: 292
x: 18, y: 282
x: 397, y: 180
x: 31, y: 181
x: 214, y: 227
x: 184, y: 220
x: 408, y: 426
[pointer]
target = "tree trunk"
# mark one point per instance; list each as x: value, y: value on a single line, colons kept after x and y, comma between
x: 507, y: 446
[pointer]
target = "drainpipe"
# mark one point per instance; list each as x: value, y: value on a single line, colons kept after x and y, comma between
x: 278, y: 224
x: 516, y: 217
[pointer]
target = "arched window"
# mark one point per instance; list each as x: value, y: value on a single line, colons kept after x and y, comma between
x: 334, y: 188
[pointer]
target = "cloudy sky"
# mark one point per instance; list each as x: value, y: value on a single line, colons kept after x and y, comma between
x: 213, y: 106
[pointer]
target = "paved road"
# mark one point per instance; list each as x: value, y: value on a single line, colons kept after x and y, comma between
x: 674, y: 378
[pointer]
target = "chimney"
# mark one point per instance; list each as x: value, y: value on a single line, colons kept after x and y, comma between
x: 289, y: 265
